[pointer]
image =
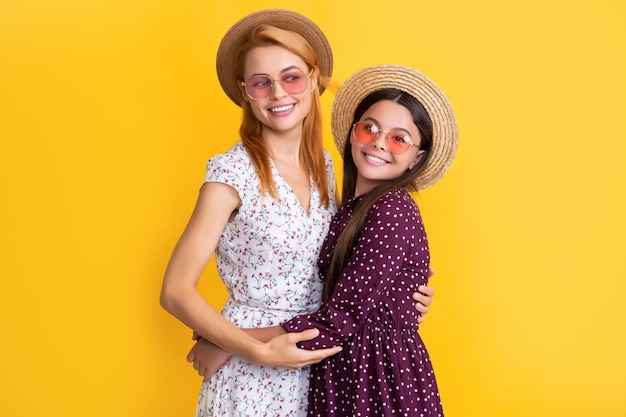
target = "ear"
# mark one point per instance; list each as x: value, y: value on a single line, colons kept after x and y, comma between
x: 314, y: 78
x: 418, y: 158
x: 242, y: 92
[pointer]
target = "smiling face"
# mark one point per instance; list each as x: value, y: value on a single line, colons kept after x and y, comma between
x: 374, y: 162
x: 280, y: 113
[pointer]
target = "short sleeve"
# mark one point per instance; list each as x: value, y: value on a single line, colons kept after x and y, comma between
x: 233, y: 168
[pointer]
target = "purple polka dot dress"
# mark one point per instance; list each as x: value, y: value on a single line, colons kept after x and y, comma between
x: 384, y: 368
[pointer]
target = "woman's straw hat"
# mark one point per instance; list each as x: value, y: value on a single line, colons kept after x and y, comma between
x: 378, y: 77
x: 283, y: 19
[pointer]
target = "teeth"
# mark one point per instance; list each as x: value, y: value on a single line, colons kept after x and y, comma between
x: 374, y: 159
x: 282, y: 108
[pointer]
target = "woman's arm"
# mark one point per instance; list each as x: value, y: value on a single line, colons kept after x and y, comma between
x: 180, y: 297
x: 207, y: 357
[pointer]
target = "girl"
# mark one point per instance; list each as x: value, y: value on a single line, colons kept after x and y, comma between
x: 398, y: 133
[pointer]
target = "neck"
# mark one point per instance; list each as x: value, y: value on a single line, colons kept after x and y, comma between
x: 364, y: 186
x: 283, y: 147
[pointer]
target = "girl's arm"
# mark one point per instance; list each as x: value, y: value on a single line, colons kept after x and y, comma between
x: 179, y: 295
x: 369, y: 275
x: 208, y: 357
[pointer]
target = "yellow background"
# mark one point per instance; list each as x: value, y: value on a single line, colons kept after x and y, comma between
x: 109, y: 111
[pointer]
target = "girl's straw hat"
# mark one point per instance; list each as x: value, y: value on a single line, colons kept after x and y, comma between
x: 283, y: 19
x: 408, y: 80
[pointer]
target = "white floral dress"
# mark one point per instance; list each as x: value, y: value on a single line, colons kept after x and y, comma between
x: 267, y: 257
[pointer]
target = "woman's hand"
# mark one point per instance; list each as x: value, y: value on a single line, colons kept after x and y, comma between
x: 282, y: 351
x: 424, y: 298
x: 207, y: 357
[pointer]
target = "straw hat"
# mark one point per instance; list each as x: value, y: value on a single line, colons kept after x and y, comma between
x: 374, y: 78
x: 283, y: 19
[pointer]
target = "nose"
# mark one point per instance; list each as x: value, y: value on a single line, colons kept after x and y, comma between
x: 277, y: 90
x: 380, y: 140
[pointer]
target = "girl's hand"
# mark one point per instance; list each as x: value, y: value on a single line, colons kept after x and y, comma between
x: 424, y: 298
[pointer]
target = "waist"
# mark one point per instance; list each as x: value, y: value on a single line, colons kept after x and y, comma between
x: 246, y: 315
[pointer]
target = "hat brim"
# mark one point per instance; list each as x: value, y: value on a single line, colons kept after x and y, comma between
x: 375, y: 78
x: 283, y: 19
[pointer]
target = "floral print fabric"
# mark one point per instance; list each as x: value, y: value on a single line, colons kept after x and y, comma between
x: 267, y: 258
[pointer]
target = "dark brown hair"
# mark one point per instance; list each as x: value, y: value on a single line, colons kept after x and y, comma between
x: 350, y: 234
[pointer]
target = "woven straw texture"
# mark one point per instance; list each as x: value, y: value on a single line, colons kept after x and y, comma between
x: 374, y: 78
x: 283, y: 19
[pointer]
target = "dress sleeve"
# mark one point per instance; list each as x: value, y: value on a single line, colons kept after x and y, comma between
x: 380, y: 254
x: 231, y: 168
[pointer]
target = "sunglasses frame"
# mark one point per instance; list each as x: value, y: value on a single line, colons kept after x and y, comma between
x: 272, y: 80
x: 387, y: 140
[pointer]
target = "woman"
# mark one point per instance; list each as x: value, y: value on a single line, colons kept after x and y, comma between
x: 264, y: 209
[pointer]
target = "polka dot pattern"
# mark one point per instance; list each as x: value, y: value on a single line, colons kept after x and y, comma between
x: 384, y: 368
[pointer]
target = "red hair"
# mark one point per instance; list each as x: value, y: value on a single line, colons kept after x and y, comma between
x: 311, y: 147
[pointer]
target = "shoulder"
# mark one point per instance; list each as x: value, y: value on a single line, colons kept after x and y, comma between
x: 232, y: 167
x: 396, y: 205
x: 330, y: 174
x: 234, y: 156
x: 236, y: 159
x: 327, y: 158
x: 396, y: 198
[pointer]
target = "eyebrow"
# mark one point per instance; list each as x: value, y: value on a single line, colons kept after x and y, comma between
x: 284, y: 70
x: 377, y: 123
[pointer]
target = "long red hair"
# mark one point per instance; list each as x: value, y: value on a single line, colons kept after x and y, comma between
x: 311, y: 147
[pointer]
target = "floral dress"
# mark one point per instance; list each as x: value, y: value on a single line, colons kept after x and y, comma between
x: 267, y: 258
x: 384, y: 368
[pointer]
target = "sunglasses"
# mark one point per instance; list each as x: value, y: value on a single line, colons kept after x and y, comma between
x: 259, y: 87
x: 397, y: 141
